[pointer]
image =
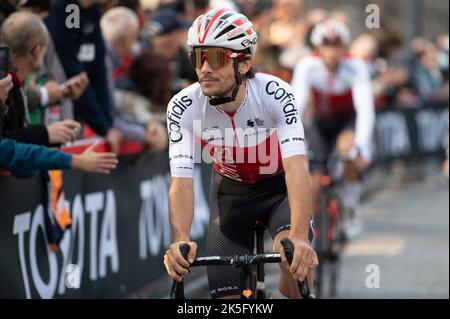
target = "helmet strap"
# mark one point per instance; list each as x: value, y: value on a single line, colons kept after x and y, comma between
x: 232, y: 98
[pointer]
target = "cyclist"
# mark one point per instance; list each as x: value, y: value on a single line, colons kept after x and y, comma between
x: 235, y: 114
x: 343, y: 111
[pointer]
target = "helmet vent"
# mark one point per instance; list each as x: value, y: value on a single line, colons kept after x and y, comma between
x: 227, y: 29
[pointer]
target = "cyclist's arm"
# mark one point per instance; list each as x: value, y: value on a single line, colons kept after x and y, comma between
x: 365, y: 111
x: 181, y: 157
x: 292, y: 146
x: 181, y: 208
x: 299, y: 189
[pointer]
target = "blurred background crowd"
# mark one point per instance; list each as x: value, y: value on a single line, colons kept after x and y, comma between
x: 115, y: 64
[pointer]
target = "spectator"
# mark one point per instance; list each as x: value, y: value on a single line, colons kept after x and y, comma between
x: 288, y: 26
x: 150, y: 65
x: 6, y: 85
x: 443, y: 45
x: 39, y: 7
x: 365, y: 47
x: 24, y: 160
x: 427, y: 76
x: 7, y: 7
x: 394, y: 67
x: 261, y: 18
x: 200, y: 7
x: 83, y: 50
x: 167, y: 31
x: 49, y: 85
x: 26, y: 38
x: 120, y: 26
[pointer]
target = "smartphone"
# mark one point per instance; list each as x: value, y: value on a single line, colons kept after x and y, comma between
x: 4, y: 62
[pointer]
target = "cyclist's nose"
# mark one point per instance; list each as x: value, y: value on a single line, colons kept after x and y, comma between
x: 206, y: 68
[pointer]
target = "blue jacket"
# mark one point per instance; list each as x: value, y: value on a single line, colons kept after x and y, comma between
x: 94, y: 105
x: 24, y: 160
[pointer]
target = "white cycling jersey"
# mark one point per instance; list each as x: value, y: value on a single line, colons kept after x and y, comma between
x: 336, y: 96
x: 247, y: 145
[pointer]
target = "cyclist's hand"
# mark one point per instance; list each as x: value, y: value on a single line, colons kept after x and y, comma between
x: 305, y: 259
x: 174, y: 262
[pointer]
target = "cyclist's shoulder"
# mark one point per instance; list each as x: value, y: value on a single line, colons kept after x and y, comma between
x: 266, y: 82
x: 194, y: 90
x: 274, y: 94
x: 189, y: 95
x: 183, y: 103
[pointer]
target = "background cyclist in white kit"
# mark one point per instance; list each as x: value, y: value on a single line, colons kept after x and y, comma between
x: 340, y: 91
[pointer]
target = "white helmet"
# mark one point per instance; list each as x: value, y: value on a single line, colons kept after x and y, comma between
x: 330, y: 31
x: 223, y: 28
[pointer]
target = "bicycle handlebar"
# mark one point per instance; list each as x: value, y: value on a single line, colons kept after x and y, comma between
x: 177, y: 291
x: 289, y: 252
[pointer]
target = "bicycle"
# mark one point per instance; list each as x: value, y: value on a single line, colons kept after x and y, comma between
x: 330, y: 239
x: 252, y: 285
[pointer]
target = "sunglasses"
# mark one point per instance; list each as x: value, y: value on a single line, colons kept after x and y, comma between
x: 216, y: 57
x: 333, y: 42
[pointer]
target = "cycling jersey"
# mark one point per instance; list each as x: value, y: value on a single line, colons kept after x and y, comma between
x: 246, y: 146
x: 336, y: 96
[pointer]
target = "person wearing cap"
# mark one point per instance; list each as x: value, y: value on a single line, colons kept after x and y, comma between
x: 166, y: 30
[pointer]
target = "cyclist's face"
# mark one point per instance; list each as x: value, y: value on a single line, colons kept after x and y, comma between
x: 332, y: 55
x: 215, y: 82
x: 218, y: 81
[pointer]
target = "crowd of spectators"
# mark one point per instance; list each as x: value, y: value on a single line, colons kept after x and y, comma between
x: 109, y: 67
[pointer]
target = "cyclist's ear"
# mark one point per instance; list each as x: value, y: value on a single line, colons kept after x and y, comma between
x: 192, y: 252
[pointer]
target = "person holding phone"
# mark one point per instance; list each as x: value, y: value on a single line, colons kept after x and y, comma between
x: 23, y: 160
x: 26, y: 37
x: 6, y: 85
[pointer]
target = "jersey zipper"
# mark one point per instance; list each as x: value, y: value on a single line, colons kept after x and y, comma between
x: 231, y: 116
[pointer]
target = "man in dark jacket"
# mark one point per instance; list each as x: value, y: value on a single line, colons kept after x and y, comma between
x: 81, y: 49
x: 8, y: 7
